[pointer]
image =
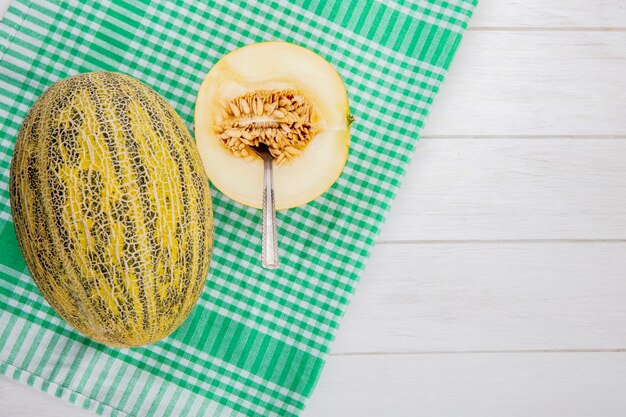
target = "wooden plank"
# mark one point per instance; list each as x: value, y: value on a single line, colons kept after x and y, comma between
x: 570, y: 14
x: 488, y: 297
x: 540, y: 385
x: 534, y: 83
x: 473, y: 385
x: 512, y: 189
x: 20, y: 400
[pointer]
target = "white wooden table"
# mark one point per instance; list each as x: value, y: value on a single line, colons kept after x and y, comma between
x: 498, y: 287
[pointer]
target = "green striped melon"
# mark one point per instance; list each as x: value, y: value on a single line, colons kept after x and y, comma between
x: 111, y: 208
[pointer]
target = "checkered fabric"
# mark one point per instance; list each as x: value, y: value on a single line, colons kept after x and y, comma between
x: 257, y: 340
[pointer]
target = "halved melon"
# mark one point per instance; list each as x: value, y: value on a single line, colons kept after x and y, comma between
x: 282, y: 95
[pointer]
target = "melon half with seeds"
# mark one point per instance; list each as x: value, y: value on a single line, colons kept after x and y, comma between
x: 286, y: 97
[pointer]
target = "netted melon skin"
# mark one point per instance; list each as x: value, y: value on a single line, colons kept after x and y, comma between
x: 111, y: 208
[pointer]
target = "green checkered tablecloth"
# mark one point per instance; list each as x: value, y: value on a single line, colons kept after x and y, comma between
x: 257, y: 340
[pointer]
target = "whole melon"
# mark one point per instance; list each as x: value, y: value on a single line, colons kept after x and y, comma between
x: 111, y: 208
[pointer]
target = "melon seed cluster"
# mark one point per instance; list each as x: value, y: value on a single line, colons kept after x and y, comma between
x: 283, y: 120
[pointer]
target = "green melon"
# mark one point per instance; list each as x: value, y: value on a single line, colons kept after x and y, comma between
x: 111, y: 208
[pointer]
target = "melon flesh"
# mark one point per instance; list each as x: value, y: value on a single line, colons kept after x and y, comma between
x: 257, y: 69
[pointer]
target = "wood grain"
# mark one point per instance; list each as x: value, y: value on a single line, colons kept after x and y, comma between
x: 473, y: 385
x: 567, y: 14
x: 534, y: 83
x: 488, y: 297
x: 507, y: 189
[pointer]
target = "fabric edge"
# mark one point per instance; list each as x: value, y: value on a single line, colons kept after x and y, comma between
x: 81, y: 400
x: 411, y: 155
x: 59, y: 391
x: 12, y: 10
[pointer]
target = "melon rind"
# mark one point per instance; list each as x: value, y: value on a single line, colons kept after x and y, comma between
x: 112, y: 208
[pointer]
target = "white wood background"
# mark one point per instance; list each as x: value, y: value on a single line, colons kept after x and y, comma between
x: 498, y: 287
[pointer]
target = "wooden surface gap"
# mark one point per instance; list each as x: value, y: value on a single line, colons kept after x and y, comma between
x: 545, y: 29
x: 481, y: 352
x: 496, y: 241
x: 530, y: 137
